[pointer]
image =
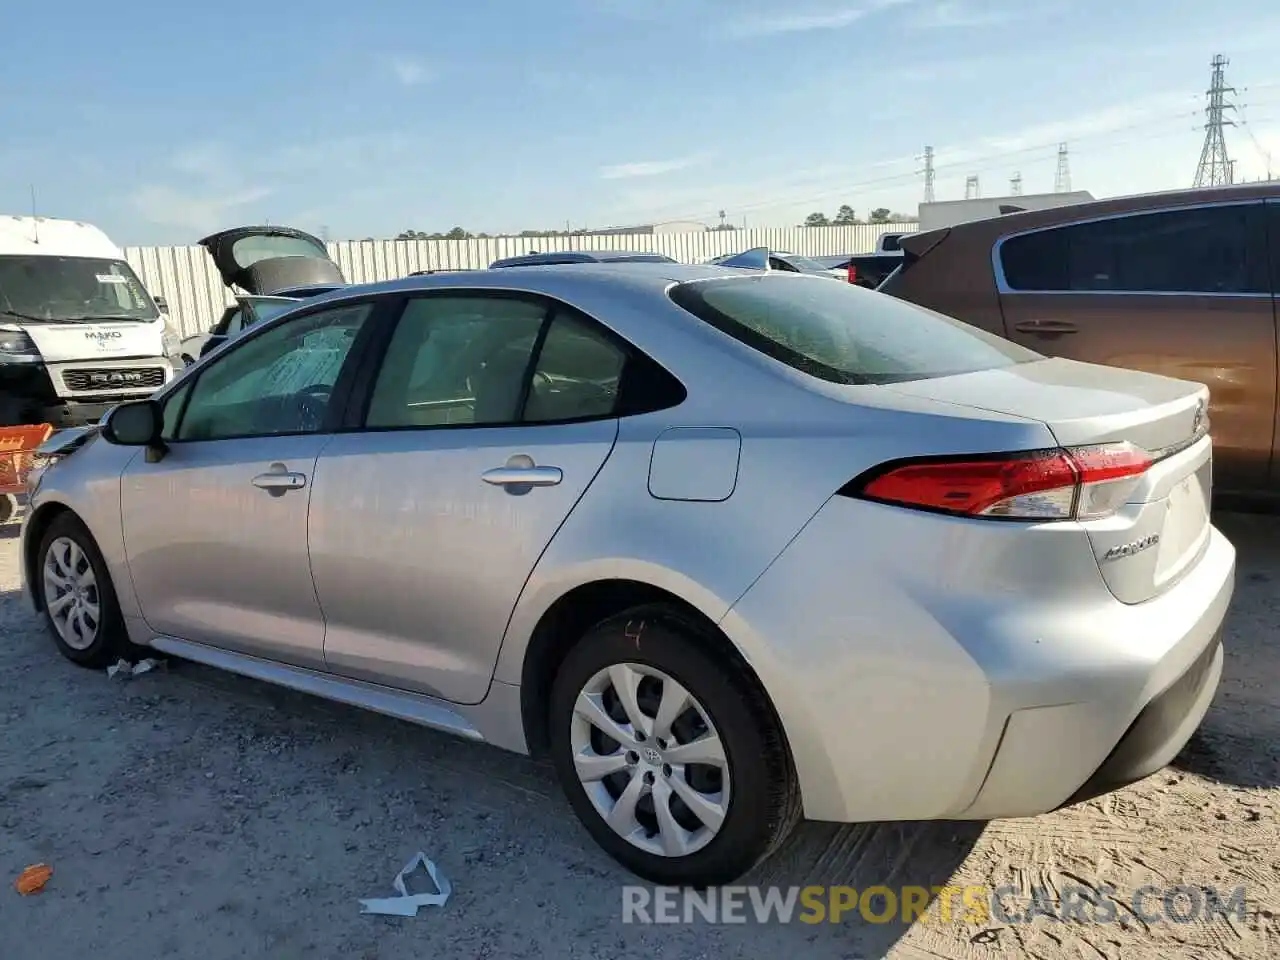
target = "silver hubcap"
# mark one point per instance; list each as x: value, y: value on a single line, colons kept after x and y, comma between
x: 650, y: 760
x: 71, y: 594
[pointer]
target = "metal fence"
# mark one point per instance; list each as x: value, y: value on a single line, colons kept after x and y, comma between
x: 186, y: 278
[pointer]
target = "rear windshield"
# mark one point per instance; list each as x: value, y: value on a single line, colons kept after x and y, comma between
x: 843, y: 334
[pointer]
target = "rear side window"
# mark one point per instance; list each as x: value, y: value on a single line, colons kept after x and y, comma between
x: 1201, y: 250
x: 841, y: 333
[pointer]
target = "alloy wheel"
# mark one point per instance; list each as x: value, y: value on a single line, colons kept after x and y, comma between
x: 650, y: 760
x: 71, y: 594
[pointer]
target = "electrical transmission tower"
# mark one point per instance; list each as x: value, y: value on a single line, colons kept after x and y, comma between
x: 971, y: 189
x: 1215, y: 169
x: 928, y: 174
x: 1062, y: 178
x: 1015, y: 185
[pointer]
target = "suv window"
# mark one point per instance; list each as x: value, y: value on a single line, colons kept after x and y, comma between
x: 1200, y: 250
x: 279, y: 382
x: 842, y: 333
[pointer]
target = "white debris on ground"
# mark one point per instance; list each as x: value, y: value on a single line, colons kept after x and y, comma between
x: 208, y: 816
x: 124, y: 669
x: 406, y: 904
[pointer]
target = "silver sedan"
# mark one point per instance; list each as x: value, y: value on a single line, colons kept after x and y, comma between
x: 731, y: 548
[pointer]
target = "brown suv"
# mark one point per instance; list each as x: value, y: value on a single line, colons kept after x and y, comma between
x: 1183, y: 284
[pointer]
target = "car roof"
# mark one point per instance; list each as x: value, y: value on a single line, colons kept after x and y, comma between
x: 581, y: 256
x: 919, y: 243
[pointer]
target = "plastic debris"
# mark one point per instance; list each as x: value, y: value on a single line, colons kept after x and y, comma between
x: 33, y: 879
x: 407, y: 904
x: 127, y: 669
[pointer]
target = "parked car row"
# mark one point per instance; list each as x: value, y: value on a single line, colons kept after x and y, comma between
x: 718, y: 541
x: 1183, y: 284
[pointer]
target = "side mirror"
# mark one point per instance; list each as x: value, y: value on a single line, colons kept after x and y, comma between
x: 161, y: 304
x: 136, y: 424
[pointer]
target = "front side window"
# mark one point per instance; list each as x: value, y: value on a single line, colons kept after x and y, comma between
x: 841, y: 333
x: 1199, y: 250
x: 279, y: 382
x: 83, y: 289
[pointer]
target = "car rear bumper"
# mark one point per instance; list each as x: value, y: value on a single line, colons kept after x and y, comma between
x: 973, y: 674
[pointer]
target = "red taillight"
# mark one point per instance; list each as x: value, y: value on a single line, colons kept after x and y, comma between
x: 853, y: 273
x: 1081, y: 483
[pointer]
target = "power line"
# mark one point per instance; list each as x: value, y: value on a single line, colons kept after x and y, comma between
x: 1215, y: 168
x: 982, y: 163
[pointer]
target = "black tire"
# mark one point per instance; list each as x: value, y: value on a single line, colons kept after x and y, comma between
x: 110, y: 640
x: 764, y: 799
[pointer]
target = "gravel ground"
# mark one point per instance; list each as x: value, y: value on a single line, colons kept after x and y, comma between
x: 188, y: 813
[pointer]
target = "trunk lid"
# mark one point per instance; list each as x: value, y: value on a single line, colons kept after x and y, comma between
x: 1163, y: 528
x: 265, y: 260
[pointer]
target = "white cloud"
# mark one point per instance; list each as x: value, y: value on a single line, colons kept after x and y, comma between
x: 956, y: 14
x: 196, y: 212
x: 411, y: 73
x: 763, y: 25
x: 645, y: 168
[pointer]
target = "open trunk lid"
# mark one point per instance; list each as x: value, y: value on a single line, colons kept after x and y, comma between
x: 1163, y: 528
x: 265, y: 260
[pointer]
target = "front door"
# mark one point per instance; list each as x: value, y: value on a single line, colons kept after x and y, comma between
x: 216, y: 530
x: 477, y: 444
x: 1183, y: 293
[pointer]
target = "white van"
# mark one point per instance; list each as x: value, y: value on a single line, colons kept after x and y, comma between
x: 78, y: 331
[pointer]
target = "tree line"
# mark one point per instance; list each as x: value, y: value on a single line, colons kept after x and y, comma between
x: 846, y: 216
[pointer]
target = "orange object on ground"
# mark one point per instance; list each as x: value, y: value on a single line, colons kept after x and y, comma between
x: 33, y: 879
x: 17, y: 447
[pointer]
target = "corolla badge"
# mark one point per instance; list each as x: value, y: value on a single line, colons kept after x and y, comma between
x: 1130, y: 548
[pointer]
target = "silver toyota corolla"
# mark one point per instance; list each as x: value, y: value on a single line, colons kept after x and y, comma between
x: 732, y: 548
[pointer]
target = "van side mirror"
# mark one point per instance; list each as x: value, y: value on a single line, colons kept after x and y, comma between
x: 161, y: 304
x: 136, y: 424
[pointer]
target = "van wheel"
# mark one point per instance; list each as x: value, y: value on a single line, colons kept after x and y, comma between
x: 79, y: 601
x: 668, y: 755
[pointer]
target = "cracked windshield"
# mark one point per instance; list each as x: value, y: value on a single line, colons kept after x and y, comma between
x: 633, y: 478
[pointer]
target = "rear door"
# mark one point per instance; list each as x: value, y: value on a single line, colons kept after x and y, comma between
x: 1182, y: 292
x: 266, y: 260
x: 487, y: 420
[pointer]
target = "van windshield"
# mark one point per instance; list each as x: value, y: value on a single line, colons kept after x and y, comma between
x: 72, y: 290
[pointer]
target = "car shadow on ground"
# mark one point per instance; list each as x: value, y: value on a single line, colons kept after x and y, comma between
x: 258, y: 776
x: 1239, y: 742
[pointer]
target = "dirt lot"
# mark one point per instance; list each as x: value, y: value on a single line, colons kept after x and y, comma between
x: 189, y: 813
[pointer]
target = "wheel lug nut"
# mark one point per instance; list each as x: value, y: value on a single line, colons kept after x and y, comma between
x: 648, y: 777
x: 640, y: 735
x: 632, y: 757
x: 666, y: 769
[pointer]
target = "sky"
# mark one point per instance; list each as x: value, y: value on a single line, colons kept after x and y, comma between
x: 162, y: 121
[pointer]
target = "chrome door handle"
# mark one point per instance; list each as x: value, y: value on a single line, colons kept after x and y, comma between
x: 1046, y: 326
x: 280, y: 481
x: 523, y: 476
